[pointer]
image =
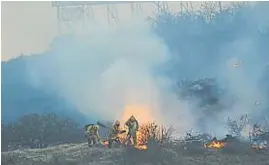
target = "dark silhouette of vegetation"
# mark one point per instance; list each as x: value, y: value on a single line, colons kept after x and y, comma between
x: 38, y: 131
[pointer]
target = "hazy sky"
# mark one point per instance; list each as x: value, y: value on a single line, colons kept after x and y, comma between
x: 29, y: 27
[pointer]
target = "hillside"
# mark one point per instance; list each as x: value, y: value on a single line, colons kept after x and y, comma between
x: 20, y: 97
x: 80, y: 154
x: 219, y: 66
x: 200, y: 48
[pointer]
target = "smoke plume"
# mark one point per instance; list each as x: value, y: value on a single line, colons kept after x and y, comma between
x: 107, y: 71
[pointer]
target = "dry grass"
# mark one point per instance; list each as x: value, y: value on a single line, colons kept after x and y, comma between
x: 159, y: 151
x: 80, y: 154
x: 154, y: 132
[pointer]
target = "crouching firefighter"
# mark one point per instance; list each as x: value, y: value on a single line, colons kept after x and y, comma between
x: 92, y: 134
x: 133, y: 127
x: 114, y: 135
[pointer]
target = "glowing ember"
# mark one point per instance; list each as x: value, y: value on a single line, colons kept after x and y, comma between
x: 215, y: 144
x: 105, y: 142
x: 142, y: 147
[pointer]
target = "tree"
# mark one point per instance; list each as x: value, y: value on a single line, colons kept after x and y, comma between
x: 35, y: 130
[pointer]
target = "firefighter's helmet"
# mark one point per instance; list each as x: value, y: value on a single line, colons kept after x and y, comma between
x: 96, y: 127
x: 117, y: 122
x: 132, y: 118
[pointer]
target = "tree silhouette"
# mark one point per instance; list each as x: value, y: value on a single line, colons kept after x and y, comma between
x: 35, y: 130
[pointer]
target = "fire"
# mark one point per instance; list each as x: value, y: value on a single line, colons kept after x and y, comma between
x: 142, y: 147
x: 105, y: 142
x: 122, y: 138
x: 215, y: 144
x: 141, y: 142
x: 141, y: 113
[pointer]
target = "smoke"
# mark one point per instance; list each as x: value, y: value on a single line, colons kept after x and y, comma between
x: 242, y: 68
x: 245, y: 65
x: 233, y: 48
x: 107, y: 70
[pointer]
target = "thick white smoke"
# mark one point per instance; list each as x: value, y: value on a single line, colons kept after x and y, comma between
x: 108, y: 69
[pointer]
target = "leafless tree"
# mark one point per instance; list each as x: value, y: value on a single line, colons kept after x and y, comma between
x: 238, y: 125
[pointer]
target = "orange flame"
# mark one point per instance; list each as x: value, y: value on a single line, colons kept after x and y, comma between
x: 215, y: 144
x: 141, y: 113
x: 122, y: 137
x: 140, y: 142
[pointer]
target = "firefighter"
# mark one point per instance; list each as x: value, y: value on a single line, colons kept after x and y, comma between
x: 92, y: 134
x: 257, y: 130
x: 257, y: 140
x: 114, y: 135
x: 133, y: 127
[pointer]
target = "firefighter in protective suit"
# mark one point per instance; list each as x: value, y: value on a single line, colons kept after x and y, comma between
x: 92, y: 134
x: 257, y: 131
x: 133, y: 127
x: 257, y: 140
x: 114, y: 135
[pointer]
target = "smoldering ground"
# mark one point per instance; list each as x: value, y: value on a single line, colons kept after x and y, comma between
x: 106, y: 70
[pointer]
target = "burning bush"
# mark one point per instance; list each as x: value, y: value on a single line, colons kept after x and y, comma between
x: 153, y: 132
x: 216, y: 143
x: 153, y: 138
x: 148, y: 133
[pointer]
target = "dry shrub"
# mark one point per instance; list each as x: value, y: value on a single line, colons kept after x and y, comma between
x: 10, y: 158
x: 151, y: 131
x: 155, y: 137
x: 238, y: 125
